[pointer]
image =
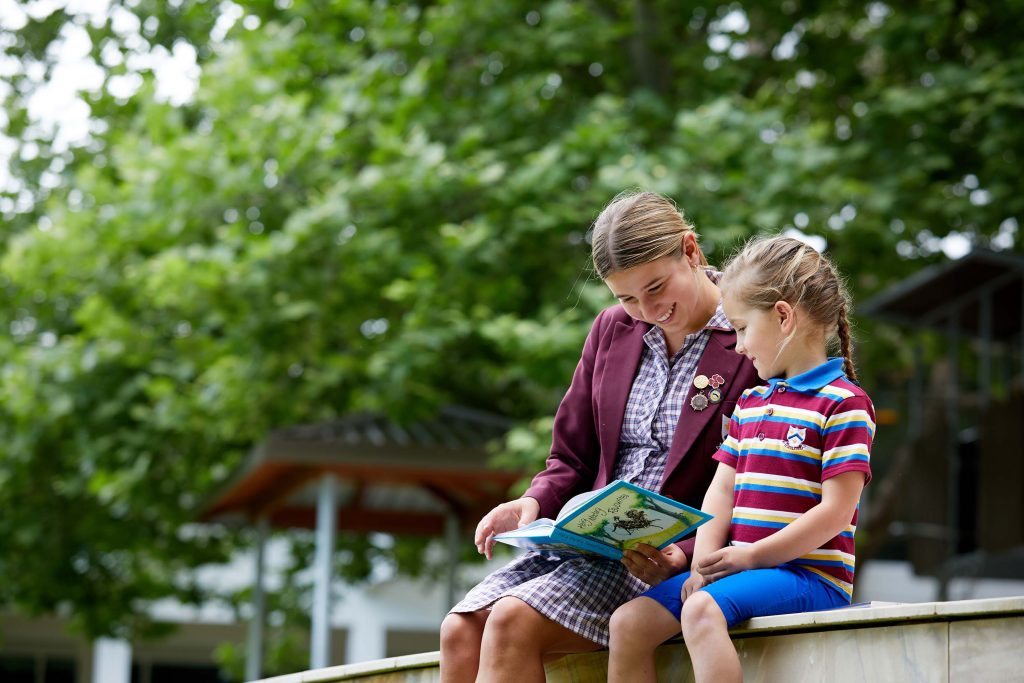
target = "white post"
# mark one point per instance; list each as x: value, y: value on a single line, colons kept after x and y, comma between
x: 111, y: 661
x: 366, y: 640
x: 326, y: 518
x: 254, y: 647
x: 451, y: 532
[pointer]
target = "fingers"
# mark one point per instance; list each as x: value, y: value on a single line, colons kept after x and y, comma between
x: 718, y: 570
x: 636, y: 564
x: 648, y: 564
x: 711, y: 578
x: 712, y: 562
x: 488, y: 546
x: 483, y: 532
x: 504, y: 517
x: 648, y: 551
x: 484, y: 538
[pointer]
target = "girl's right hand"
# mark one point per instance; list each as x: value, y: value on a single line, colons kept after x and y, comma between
x: 693, y: 583
x: 505, y: 517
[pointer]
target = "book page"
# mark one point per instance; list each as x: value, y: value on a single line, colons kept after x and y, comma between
x: 576, y: 502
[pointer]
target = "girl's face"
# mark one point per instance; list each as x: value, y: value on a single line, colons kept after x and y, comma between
x: 760, y: 336
x: 665, y: 292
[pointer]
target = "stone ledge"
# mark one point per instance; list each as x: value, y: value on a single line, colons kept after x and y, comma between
x: 903, y: 626
x: 881, y: 613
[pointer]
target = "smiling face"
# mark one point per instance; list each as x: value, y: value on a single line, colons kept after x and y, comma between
x: 667, y: 292
x: 760, y: 335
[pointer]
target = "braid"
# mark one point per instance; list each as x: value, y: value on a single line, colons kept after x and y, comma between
x: 772, y: 269
x: 846, y: 344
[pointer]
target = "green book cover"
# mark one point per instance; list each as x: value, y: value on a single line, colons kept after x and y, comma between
x: 605, y: 522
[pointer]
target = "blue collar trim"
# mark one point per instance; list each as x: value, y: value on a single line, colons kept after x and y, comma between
x: 812, y: 380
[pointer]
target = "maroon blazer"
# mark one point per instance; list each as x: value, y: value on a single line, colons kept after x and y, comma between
x: 589, y: 418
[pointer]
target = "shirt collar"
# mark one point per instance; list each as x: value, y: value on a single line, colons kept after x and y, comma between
x: 812, y: 380
x: 718, y: 320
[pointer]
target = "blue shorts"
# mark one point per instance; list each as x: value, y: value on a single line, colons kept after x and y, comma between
x: 757, y: 593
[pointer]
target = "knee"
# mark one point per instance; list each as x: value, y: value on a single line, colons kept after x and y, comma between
x: 511, y: 622
x: 629, y: 625
x: 701, y: 614
x: 514, y: 628
x: 460, y: 633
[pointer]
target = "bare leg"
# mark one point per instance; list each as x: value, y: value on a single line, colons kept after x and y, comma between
x: 516, y: 641
x: 707, y: 639
x: 637, y: 629
x: 460, y: 646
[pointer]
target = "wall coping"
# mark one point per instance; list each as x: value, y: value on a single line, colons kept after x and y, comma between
x: 861, y: 615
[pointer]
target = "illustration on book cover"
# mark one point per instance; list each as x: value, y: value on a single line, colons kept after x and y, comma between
x: 626, y: 515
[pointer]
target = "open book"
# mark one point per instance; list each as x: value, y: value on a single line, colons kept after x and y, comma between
x: 607, y: 521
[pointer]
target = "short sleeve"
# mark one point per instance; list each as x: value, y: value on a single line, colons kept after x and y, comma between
x: 846, y: 438
x: 729, y: 452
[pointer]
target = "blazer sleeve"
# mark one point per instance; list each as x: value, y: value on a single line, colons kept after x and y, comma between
x: 575, y: 447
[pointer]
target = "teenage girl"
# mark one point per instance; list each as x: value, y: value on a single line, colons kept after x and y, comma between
x: 641, y: 408
x: 789, y: 478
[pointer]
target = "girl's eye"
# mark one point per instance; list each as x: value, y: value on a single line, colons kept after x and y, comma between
x: 655, y: 288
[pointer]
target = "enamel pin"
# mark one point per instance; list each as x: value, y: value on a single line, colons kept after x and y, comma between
x: 699, y: 401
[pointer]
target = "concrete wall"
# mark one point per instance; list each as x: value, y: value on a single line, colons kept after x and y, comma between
x: 955, y: 642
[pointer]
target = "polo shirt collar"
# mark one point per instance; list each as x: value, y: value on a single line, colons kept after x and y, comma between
x: 812, y: 380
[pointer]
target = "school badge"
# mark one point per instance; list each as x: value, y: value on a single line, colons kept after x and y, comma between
x: 795, y: 436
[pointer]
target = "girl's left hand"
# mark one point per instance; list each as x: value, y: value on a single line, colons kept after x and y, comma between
x: 729, y: 560
x: 652, y: 566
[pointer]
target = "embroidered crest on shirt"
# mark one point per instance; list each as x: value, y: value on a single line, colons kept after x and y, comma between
x: 795, y: 436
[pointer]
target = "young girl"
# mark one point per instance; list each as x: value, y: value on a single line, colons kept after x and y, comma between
x: 789, y: 479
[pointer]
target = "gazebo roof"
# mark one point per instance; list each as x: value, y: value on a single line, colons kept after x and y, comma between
x: 958, y: 288
x: 391, y: 478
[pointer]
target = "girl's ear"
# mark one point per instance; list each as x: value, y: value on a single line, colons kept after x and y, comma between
x: 691, y: 252
x: 786, y: 316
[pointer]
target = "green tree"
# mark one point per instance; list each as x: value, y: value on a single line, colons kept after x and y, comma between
x: 385, y: 205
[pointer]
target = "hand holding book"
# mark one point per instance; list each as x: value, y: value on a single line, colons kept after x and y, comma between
x: 652, y: 566
x: 509, y: 516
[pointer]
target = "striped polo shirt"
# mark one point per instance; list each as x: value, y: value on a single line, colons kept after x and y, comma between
x: 784, y: 440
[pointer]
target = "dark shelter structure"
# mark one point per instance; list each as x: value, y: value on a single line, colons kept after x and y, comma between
x: 363, y: 473
x: 957, y: 486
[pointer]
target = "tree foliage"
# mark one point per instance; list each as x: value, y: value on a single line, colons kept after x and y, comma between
x: 384, y: 205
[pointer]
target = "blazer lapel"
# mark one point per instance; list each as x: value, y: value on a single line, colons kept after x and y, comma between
x: 718, y: 357
x: 621, y: 362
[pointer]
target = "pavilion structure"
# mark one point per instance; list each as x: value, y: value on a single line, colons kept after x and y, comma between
x: 963, y: 486
x: 363, y: 473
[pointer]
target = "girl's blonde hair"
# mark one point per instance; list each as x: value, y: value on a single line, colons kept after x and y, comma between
x: 773, y: 269
x: 637, y: 228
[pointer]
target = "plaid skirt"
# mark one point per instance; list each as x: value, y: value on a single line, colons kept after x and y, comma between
x: 576, y: 592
